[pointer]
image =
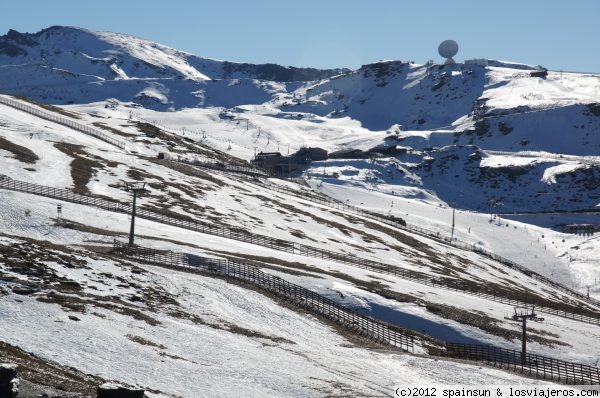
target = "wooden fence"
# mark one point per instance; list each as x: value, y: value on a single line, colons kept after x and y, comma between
x: 53, y: 117
x: 532, y: 365
x: 222, y: 166
x: 327, y: 201
x: 285, y: 246
x: 363, y: 325
x: 402, y: 225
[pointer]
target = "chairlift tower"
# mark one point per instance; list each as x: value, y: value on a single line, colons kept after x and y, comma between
x: 453, y: 219
x: 523, y: 314
x: 59, y: 213
x: 137, y: 188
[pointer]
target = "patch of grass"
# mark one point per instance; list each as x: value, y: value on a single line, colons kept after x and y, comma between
x: 82, y: 171
x: 151, y: 130
x: 68, y: 303
x: 299, y: 234
x: 129, y: 311
x: 389, y: 217
x: 80, y: 304
x: 43, y: 250
x: 32, y: 262
x: 295, y: 211
x: 185, y: 145
x: 422, y: 247
x: 21, y: 153
x: 188, y: 170
x: 74, y: 225
x: 113, y: 130
x: 82, y: 168
x: 228, y: 327
x: 143, y: 341
x: 291, y: 268
x: 172, y: 356
x: 233, y: 328
x: 138, y: 174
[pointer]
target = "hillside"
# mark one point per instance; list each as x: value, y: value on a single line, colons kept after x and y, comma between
x: 412, y: 236
x: 228, y: 201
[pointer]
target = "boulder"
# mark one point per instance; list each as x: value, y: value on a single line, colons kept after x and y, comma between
x: 116, y: 391
x: 9, y: 384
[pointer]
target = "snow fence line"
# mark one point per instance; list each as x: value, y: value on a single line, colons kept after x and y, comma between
x: 278, y: 244
x: 537, y: 366
x: 460, y: 245
x: 363, y: 325
x: 219, y: 166
x: 249, y: 170
x: 255, y: 172
x: 336, y: 204
x: 62, y: 120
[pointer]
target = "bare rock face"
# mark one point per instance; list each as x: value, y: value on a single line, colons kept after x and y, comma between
x: 115, y: 391
x: 9, y: 384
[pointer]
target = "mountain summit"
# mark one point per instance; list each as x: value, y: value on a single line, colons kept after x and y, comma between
x: 73, y: 65
x: 119, y: 56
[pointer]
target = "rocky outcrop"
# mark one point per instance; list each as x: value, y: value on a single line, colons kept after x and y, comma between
x: 9, y: 384
x: 116, y: 391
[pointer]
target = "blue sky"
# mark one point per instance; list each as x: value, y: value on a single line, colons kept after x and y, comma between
x: 562, y: 35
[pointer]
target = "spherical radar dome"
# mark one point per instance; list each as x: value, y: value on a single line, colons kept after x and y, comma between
x: 448, y: 48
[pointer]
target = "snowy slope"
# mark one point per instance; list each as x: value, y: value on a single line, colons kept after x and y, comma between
x: 236, y: 339
x: 480, y: 139
x: 120, y: 345
x: 66, y: 65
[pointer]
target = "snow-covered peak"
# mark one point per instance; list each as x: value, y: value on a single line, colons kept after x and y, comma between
x: 111, y: 55
x: 103, y: 54
x: 74, y: 65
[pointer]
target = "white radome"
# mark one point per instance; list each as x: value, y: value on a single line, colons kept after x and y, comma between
x: 448, y: 49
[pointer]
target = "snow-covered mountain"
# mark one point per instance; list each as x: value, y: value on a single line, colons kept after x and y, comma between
x: 436, y: 147
x: 499, y: 106
x: 71, y: 65
x: 494, y: 107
